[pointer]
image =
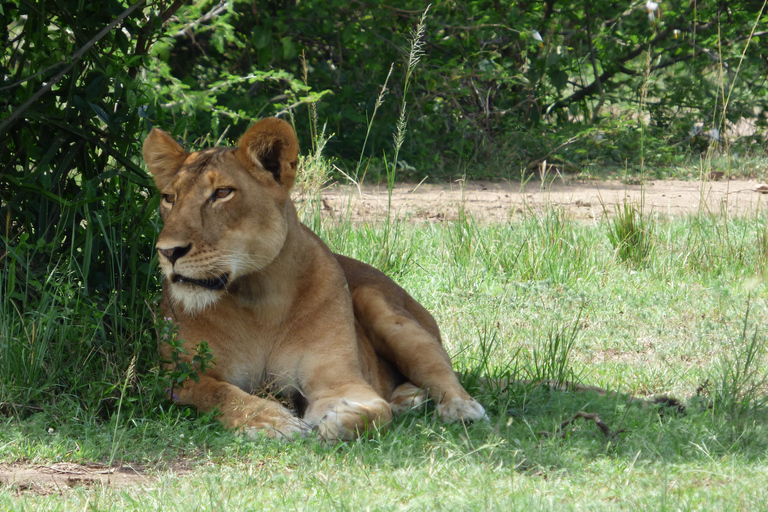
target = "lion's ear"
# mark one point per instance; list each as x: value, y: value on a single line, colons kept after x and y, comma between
x: 163, y: 156
x: 271, y: 145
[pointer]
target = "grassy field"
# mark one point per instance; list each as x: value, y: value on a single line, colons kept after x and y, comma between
x: 639, y: 304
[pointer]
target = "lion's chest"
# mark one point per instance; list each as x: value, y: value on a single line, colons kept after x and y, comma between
x: 242, y: 346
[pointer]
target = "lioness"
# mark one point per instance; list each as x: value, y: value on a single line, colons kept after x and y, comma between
x: 280, y: 312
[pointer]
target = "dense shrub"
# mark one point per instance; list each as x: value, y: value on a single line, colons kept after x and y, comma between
x: 492, y: 70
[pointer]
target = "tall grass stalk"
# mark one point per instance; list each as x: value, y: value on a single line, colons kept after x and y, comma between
x: 376, y: 105
x: 315, y: 168
x: 741, y: 381
x: 130, y: 376
x: 551, y: 357
x: 312, y: 110
x: 762, y: 247
x: 386, y: 260
x: 315, y: 174
x: 644, y: 86
x: 414, y: 56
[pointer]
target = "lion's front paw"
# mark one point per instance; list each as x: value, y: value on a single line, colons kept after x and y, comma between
x: 284, y: 427
x: 345, y: 419
x: 260, y: 417
x: 460, y: 409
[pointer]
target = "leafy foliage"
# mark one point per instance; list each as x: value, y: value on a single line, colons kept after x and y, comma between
x: 78, y: 217
x: 211, y: 73
x: 526, y: 76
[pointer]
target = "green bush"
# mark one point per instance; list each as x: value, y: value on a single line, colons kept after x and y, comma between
x: 76, y: 277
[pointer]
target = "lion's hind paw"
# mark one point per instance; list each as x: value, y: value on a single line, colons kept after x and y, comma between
x: 461, y: 409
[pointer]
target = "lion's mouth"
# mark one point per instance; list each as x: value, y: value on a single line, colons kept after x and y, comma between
x: 217, y: 283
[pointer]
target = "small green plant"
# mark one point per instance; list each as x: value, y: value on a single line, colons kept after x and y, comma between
x: 181, y: 369
x: 630, y: 234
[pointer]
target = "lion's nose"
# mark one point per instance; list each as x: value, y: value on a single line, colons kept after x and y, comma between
x: 174, y: 253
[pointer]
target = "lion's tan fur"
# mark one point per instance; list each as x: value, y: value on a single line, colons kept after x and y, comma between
x: 278, y: 310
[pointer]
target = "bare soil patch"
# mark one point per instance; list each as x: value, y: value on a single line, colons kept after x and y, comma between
x: 503, y: 201
x: 55, y: 478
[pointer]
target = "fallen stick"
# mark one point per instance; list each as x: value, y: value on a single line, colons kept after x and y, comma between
x: 587, y: 416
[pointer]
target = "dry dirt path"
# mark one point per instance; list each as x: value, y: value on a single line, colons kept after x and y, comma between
x: 498, y: 202
x: 54, y: 478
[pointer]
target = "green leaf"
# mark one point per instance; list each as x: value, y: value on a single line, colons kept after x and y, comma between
x: 559, y: 78
x: 261, y: 37
x: 289, y: 48
x: 100, y: 112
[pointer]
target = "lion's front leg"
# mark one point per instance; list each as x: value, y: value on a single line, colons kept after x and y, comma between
x: 240, y: 410
x: 347, y: 417
x: 341, y: 405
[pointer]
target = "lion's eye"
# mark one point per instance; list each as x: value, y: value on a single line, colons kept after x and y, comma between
x: 221, y: 193
x: 169, y: 198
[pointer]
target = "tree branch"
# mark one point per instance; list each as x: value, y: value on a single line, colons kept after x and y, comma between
x: 596, y: 111
x: 144, y: 40
x: 5, y: 125
x: 609, y: 73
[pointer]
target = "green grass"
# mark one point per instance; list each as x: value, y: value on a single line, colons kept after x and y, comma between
x: 628, y: 234
x: 543, y: 297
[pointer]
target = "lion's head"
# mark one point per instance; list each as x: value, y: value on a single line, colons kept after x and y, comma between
x: 223, y: 209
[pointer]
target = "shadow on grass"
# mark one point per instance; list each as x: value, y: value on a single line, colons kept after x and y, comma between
x: 532, y: 428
